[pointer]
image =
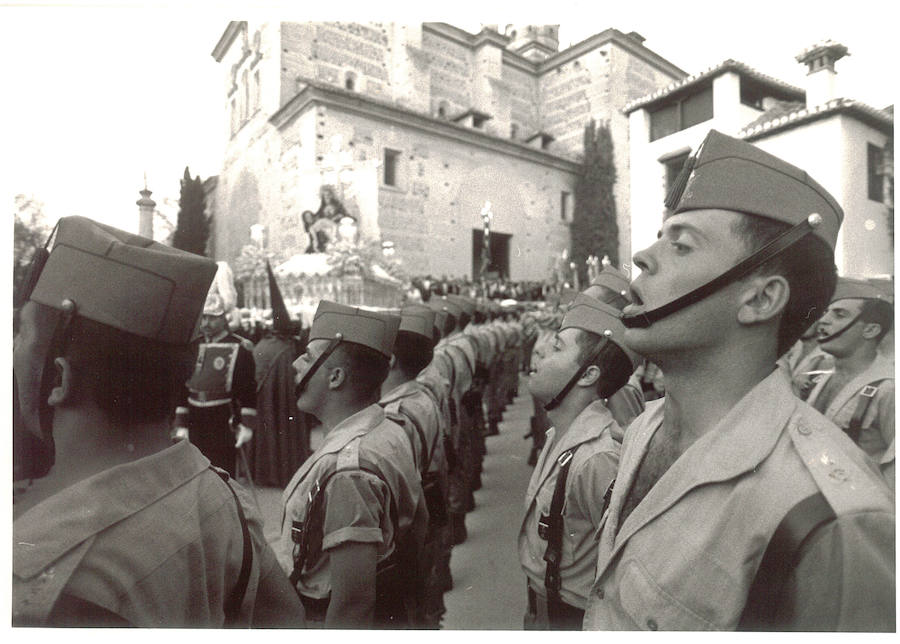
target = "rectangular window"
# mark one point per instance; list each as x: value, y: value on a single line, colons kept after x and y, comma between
x: 876, y: 173
x: 664, y: 121
x: 682, y: 113
x: 564, y: 205
x: 391, y: 157
x: 697, y: 108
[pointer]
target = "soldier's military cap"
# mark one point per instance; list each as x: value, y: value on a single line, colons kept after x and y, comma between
x: 419, y: 320
x: 464, y: 303
x: 731, y: 174
x: 449, y: 309
x: 372, y: 329
x: 567, y: 296
x: 610, y: 286
x: 856, y: 289
x: 590, y: 314
x: 124, y: 281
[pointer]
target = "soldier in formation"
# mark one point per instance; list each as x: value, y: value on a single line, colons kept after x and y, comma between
x: 857, y: 394
x: 730, y: 475
x: 577, y: 370
x: 120, y: 527
x: 675, y: 514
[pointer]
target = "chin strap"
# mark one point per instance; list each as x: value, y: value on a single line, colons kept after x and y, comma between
x: 742, y: 268
x: 301, y: 386
x: 592, y: 356
x: 839, y: 332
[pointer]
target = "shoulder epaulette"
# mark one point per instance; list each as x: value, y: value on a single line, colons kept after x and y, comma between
x: 846, y: 485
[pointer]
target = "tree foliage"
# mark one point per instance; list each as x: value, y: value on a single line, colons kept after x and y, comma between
x: 192, y: 230
x: 30, y: 232
x: 594, y: 230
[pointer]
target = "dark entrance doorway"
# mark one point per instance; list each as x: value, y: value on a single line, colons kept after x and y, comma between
x: 499, y: 265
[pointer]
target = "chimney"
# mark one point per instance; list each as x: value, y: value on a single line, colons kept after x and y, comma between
x: 821, y: 85
x: 146, y: 206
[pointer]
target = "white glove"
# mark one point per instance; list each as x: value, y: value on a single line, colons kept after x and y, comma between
x: 181, y: 434
x: 244, y: 434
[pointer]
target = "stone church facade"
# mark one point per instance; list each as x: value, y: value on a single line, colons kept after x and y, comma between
x: 418, y: 127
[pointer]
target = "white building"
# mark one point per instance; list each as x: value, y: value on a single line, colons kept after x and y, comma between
x: 843, y: 144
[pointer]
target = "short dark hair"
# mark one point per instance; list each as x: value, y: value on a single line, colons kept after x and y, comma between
x: 132, y: 379
x: 464, y: 319
x: 367, y: 367
x: 413, y: 352
x: 878, y: 312
x: 808, y: 266
x: 615, y: 367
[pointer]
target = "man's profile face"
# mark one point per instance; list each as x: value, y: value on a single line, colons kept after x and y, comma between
x: 837, y: 316
x: 555, y: 365
x: 693, y: 248
x: 317, y: 386
x: 212, y: 325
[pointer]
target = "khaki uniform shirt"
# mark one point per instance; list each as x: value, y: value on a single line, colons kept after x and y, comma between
x: 357, y: 503
x: 593, y: 468
x: 877, y: 436
x: 166, y: 542
x: 412, y: 401
x: 685, y: 558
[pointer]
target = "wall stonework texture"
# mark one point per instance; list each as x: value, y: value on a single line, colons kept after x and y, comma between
x: 412, y: 86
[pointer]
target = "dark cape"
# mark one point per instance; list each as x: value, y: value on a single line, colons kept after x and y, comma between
x: 281, y: 441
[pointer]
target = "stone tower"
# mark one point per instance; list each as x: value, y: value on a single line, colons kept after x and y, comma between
x: 146, y: 207
x: 534, y: 42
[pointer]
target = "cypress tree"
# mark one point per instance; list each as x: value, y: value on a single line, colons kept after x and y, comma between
x: 594, y: 230
x: 192, y: 229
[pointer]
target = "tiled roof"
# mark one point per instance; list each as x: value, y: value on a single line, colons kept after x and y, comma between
x: 729, y: 65
x: 780, y: 119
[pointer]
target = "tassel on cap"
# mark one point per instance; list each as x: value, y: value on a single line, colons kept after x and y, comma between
x: 681, y: 181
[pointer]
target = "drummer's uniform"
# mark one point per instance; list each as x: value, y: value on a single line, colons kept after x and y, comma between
x: 220, y: 393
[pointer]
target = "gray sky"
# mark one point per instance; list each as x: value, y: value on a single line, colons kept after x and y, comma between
x: 97, y: 96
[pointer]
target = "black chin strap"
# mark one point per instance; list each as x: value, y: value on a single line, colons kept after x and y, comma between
x: 839, y: 332
x: 318, y: 363
x: 592, y: 356
x: 745, y: 266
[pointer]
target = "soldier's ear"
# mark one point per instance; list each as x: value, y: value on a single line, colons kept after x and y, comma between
x: 763, y: 298
x: 63, y: 384
x: 590, y: 377
x: 871, y: 330
x: 336, y: 377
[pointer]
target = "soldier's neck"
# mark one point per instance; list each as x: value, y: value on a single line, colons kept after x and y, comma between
x: 87, y: 443
x: 338, y: 409
x: 700, y: 393
x: 395, y: 379
x: 563, y: 415
x: 855, y: 362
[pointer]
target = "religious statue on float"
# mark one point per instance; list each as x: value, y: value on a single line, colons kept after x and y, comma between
x: 330, y: 224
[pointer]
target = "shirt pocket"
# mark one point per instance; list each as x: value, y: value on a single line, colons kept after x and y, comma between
x: 650, y: 607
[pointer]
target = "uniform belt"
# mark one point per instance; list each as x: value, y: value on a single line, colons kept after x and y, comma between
x: 198, y: 399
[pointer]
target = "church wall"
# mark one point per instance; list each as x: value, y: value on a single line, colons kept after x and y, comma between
x: 441, y: 188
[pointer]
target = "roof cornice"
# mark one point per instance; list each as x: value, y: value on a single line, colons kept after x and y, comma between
x: 231, y: 31
x: 610, y: 36
x: 317, y: 93
x: 729, y: 65
x: 877, y: 119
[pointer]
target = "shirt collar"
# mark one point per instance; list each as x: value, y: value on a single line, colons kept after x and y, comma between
x: 56, y: 525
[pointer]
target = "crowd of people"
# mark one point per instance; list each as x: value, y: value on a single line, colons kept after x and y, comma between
x: 490, y: 288
x: 713, y: 442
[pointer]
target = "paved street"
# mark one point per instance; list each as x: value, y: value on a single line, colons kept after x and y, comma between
x: 489, y: 586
